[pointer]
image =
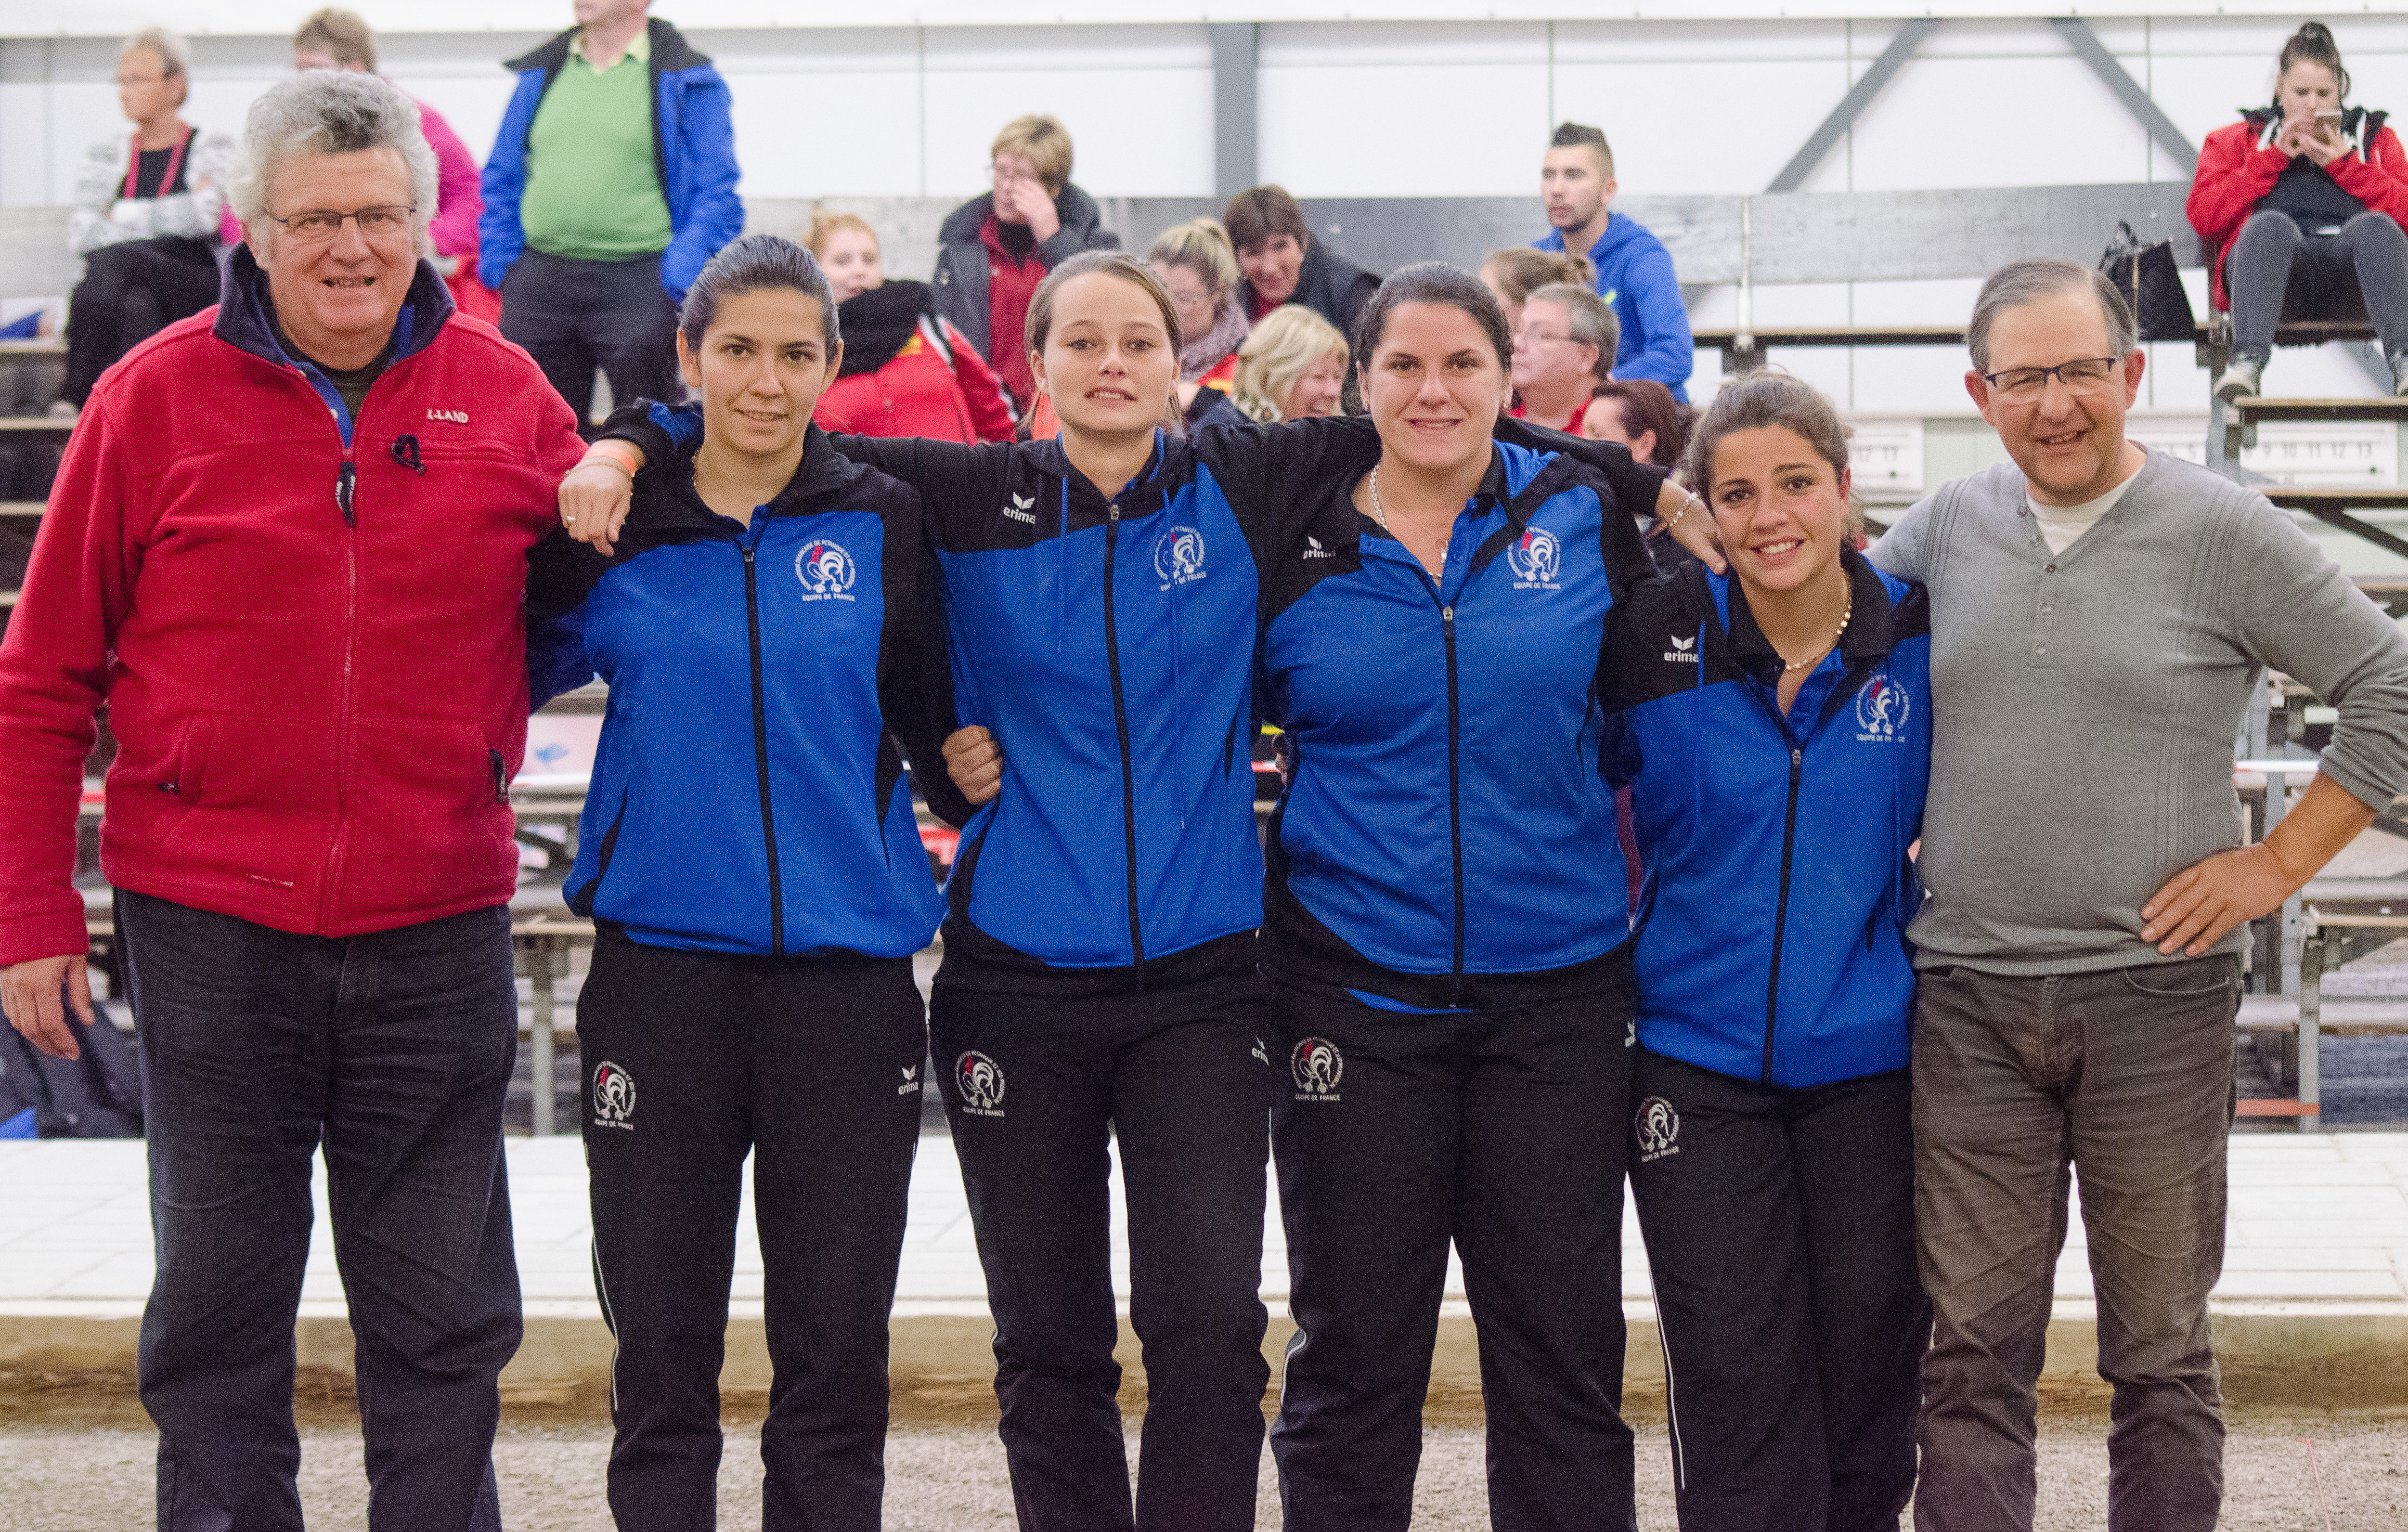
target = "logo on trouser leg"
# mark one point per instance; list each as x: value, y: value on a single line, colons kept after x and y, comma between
x: 911, y: 1080
x: 1316, y: 1064
x: 1657, y: 1126
x: 980, y: 1080
x: 614, y: 1096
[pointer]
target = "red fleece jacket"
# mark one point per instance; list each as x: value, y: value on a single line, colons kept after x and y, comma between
x: 2235, y: 175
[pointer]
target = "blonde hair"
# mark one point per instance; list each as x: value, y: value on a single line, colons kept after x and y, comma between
x: 1201, y: 245
x: 1047, y: 144
x: 174, y: 53
x: 340, y: 35
x: 1284, y: 345
x: 826, y: 225
x: 1521, y: 271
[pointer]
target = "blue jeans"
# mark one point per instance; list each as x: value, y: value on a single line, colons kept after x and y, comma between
x: 393, y: 1051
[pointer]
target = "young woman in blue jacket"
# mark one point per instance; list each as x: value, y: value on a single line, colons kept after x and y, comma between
x: 1104, y: 592
x: 1773, y: 724
x: 751, y: 862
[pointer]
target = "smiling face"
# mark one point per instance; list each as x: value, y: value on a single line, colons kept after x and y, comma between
x: 1108, y: 360
x: 1192, y: 296
x: 340, y: 296
x: 1316, y: 390
x: 850, y: 262
x: 2305, y: 89
x: 1271, y: 268
x: 760, y: 367
x: 1780, y: 508
x: 1434, y: 385
x: 2069, y: 441
x: 145, y: 89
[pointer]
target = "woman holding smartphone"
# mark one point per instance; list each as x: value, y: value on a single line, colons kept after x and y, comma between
x: 2303, y: 203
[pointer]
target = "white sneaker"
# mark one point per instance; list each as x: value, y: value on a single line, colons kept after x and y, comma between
x: 2240, y: 380
x: 62, y: 410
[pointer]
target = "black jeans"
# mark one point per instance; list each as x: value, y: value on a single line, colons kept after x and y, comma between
x: 129, y: 292
x: 574, y: 316
x: 2276, y: 273
x: 1503, y: 1132
x: 2124, y: 1078
x: 1036, y: 1086
x: 691, y: 1060
x: 391, y: 1051
x: 1780, y: 1228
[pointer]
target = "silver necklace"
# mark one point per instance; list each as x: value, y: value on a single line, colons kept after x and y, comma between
x: 1378, y: 513
x: 1787, y: 666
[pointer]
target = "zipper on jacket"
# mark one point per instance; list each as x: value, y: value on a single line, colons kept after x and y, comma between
x: 1120, y: 724
x: 1781, y: 906
x: 1453, y: 788
x: 761, y: 745
x: 347, y: 480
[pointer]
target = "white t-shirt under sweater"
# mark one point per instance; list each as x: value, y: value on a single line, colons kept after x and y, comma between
x: 2060, y: 524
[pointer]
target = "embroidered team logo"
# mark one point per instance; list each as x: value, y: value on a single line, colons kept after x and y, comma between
x: 1880, y: 709
x: 457, y: 417
x: 1536, y: 560
x: 1023, y: 508
x: 980, y: 1080
x: 826, y: 570
x: 1312, y: 548
x: 614, y: 1096
x: 1316, y: 1064
x: 1179, y: 556
x: 1658, y: 1129
x: 1684, y: 651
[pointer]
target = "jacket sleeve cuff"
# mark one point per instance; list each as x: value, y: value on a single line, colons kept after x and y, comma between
x: 53, y: 929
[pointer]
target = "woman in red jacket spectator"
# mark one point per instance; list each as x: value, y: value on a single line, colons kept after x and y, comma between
x: 907, y: 372
x: 2302, y: 204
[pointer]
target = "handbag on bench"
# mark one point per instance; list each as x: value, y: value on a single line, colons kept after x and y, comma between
x: 2151, y: 286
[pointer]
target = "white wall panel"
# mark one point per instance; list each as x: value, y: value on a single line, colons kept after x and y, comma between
x: 1675, y: 43
x: 2015, y: 120
x: 1138, y: 101
x: 1661, y: 145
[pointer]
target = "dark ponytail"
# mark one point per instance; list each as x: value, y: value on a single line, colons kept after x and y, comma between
x: 2314, y: 44
x: 756, y: 263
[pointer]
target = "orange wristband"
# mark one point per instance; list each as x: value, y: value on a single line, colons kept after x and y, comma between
x: 613, y: 452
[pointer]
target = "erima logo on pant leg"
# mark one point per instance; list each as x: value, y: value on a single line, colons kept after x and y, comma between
x: 911, y: 1080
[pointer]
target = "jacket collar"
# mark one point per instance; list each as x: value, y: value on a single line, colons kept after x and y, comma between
x: 670, y: 51
x: 1077, y: 210
x: 1148, y: 493
x: 667, y: 510
x: 1868, y: 637
x: 246, y: 317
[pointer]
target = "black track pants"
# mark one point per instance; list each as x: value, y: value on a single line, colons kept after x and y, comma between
x: 1503, y: 1132
x: 692, y: 1059
x: 1037, y: 1086
x: 1780, y: 1228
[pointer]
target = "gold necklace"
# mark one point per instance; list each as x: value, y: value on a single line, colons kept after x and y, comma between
x: 1789, y: 667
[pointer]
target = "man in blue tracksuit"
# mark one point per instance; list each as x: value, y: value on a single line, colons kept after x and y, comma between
x: 611, y: 182
x: 1634, y: 271
x: 1771, y: 1151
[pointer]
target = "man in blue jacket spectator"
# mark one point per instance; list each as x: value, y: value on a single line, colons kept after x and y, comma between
x: 611, y: 182
x: 1634, y: 271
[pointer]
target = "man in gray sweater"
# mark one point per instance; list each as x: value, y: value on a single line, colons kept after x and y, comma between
x: 2099, y: 616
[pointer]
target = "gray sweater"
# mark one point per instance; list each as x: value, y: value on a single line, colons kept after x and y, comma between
x: 2085, y: 703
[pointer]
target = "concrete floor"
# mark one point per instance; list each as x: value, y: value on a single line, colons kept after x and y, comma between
x: 72, y: 1464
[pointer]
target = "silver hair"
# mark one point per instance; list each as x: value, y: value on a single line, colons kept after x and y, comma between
x: 330, y: 111
x: 2020, y: 283
x: 1590, y: 318
x: 175, y: 54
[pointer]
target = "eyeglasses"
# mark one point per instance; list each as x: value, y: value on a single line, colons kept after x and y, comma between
x: 319, y: 224
x: 2086, y: 375
x: 1533, y: 337
x: 125, y: 81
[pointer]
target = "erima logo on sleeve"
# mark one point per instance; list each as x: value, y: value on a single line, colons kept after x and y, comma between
x: 1023, y: 508
x: 1683, y: 651
x: 1312, y: 548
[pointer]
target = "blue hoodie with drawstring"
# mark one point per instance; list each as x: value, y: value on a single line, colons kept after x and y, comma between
x: 1634, y: 273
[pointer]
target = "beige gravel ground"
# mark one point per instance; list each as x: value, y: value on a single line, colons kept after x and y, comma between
x: 75, y: 1462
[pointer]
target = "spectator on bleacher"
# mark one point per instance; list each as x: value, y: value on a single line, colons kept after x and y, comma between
x: 334, y: 38
x: 1641, y: 414
x: 1292, y: 368
x: 1561, y: 350
x: 288, y: 548
x: 995, y: 248
x: 1634, y: 271
x: 611, y: 182
x: 1783, y: 708
x: 751, y: 991
x: 1282, y: 262
x: 1195, y: 266
x: 2301, y: 206
x: 907, y: 370
x: 146, y: 216
x: 1514, y: 274
x: 2105, y: 610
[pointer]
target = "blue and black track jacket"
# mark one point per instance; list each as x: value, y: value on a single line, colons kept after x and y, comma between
x: 1772, y: 921
x: 1107, y: 644
x: 748, y: 794
x: 1445, y: 841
